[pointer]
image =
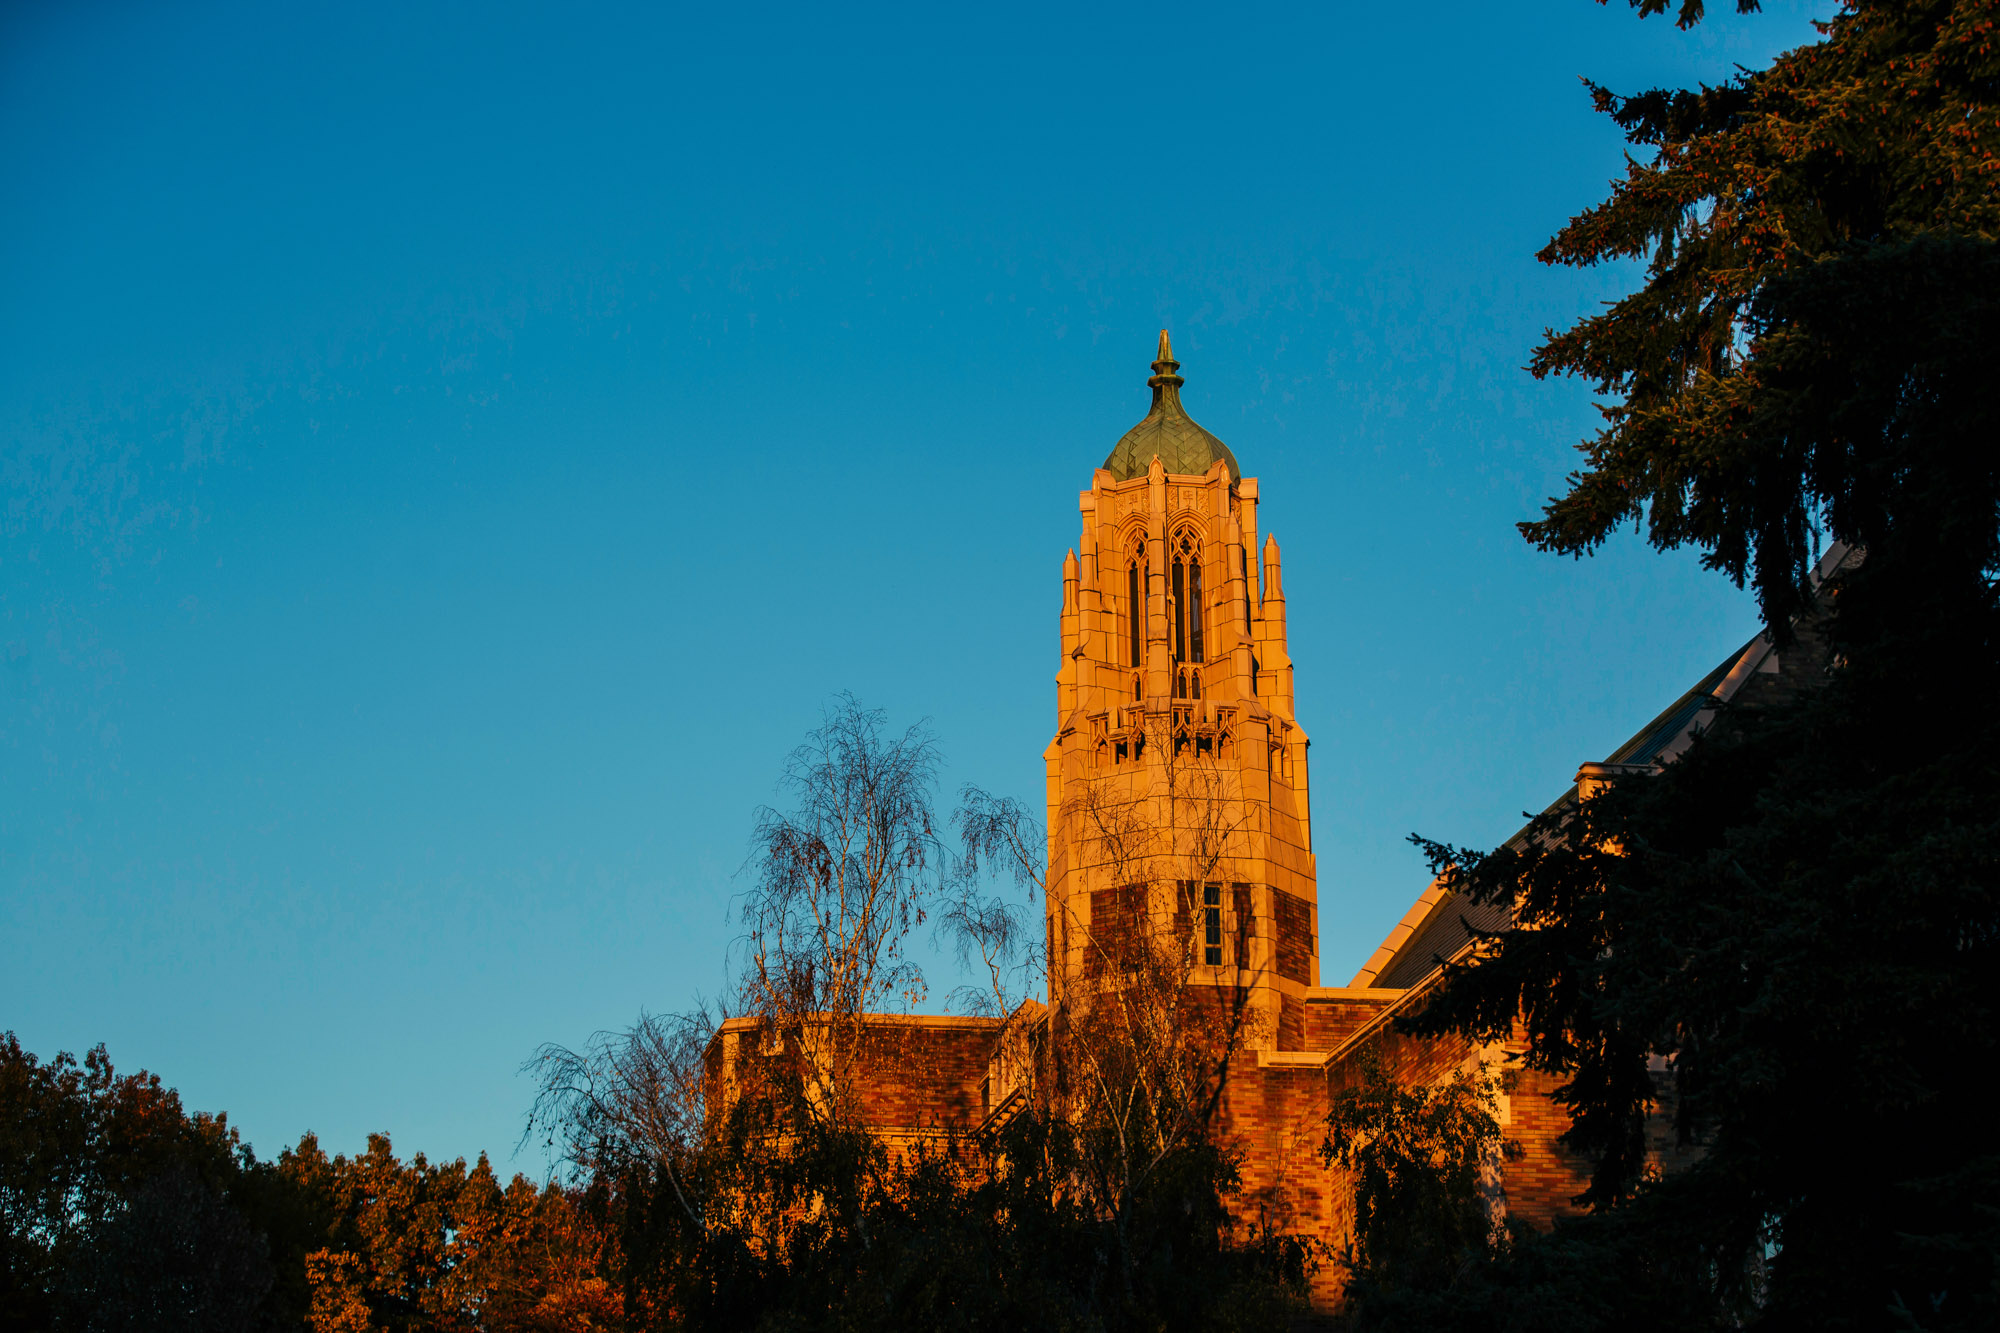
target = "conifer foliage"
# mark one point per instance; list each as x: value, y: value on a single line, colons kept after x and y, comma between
x: 1810, y: 350
x: 1784, y: 942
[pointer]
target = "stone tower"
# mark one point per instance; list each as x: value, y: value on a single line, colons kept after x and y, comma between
x: 1177, y: 783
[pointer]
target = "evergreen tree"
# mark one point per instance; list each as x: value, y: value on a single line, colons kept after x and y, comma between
x: 1812, y: 348
x: 1799, y: 915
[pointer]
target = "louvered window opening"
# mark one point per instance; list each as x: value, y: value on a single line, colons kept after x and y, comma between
x: 1187, y: 608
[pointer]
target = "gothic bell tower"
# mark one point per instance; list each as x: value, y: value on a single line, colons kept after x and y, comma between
x: 1177, y: 785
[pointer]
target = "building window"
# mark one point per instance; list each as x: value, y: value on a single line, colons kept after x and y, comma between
x: 1135, y: 599
x: 1211, y: 924
x: 1186, y: 575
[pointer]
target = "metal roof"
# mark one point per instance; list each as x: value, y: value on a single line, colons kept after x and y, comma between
x: 1168, y: 432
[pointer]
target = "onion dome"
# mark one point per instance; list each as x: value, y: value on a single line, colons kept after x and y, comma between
x: 1168, y: 433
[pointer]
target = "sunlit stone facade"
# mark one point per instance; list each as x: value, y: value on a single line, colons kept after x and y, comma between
x: 1178, y: 765
x: 1174, y: 704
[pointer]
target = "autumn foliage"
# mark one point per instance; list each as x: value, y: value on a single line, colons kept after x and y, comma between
x: 121, y: 1210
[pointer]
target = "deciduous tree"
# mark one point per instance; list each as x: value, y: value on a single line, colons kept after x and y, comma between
x: 838, y: 882
x: 1422, y: 1160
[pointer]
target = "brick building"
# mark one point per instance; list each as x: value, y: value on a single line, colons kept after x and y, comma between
x: 1179, y: 807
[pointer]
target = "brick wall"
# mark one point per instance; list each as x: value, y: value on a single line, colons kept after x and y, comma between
x: 1541, y: 1176
x: 1296, y: 940
x: 1117, y: 923
x: 1331, y: 1019
x: 1245, y: 927
x: 1291, y: 1025
x: 926, y: 1073
x: 1274, y: 1117
x: 915, y: 1073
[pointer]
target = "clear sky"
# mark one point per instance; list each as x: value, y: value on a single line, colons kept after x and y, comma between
x: 449, y: 456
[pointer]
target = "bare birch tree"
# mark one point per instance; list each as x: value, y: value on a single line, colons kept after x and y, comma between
x: 998, y: 839
x: 636, y: 1098
x: 838, y: 882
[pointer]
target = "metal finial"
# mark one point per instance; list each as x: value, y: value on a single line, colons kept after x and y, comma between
x: 1164, y: 368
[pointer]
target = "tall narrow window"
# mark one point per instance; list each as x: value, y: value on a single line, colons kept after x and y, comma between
x: 1137, y: 597
x: 1243, y: 564
x: 1186, y: 584
x: 1211, y: 925
x: 1135, y: 615
x: 1195, y: 608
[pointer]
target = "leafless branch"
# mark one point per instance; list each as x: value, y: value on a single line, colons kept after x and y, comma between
x: 627, y: 1098
x: 840, y: 880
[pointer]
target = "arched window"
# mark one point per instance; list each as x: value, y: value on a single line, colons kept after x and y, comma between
x: 1187, y: 609
x: 1135, y: 598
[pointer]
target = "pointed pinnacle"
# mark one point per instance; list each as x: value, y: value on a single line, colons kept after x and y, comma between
x: 1164, y: 368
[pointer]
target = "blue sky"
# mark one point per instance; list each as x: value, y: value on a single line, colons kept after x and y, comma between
x: 451, y: 454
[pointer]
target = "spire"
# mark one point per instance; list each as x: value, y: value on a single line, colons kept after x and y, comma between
x: 1163, y: 370
x: 1274, y: 587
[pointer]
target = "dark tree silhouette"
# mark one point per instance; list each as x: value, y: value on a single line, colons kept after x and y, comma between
x: 176, y: 1259
x: 1798, y: 918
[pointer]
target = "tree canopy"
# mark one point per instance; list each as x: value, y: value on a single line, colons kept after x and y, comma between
x: 1810, y: 352
x: 1785, y: 939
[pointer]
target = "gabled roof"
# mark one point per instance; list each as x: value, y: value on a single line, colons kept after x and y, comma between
x: 1440, y: 923
x: 1679, y: 718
